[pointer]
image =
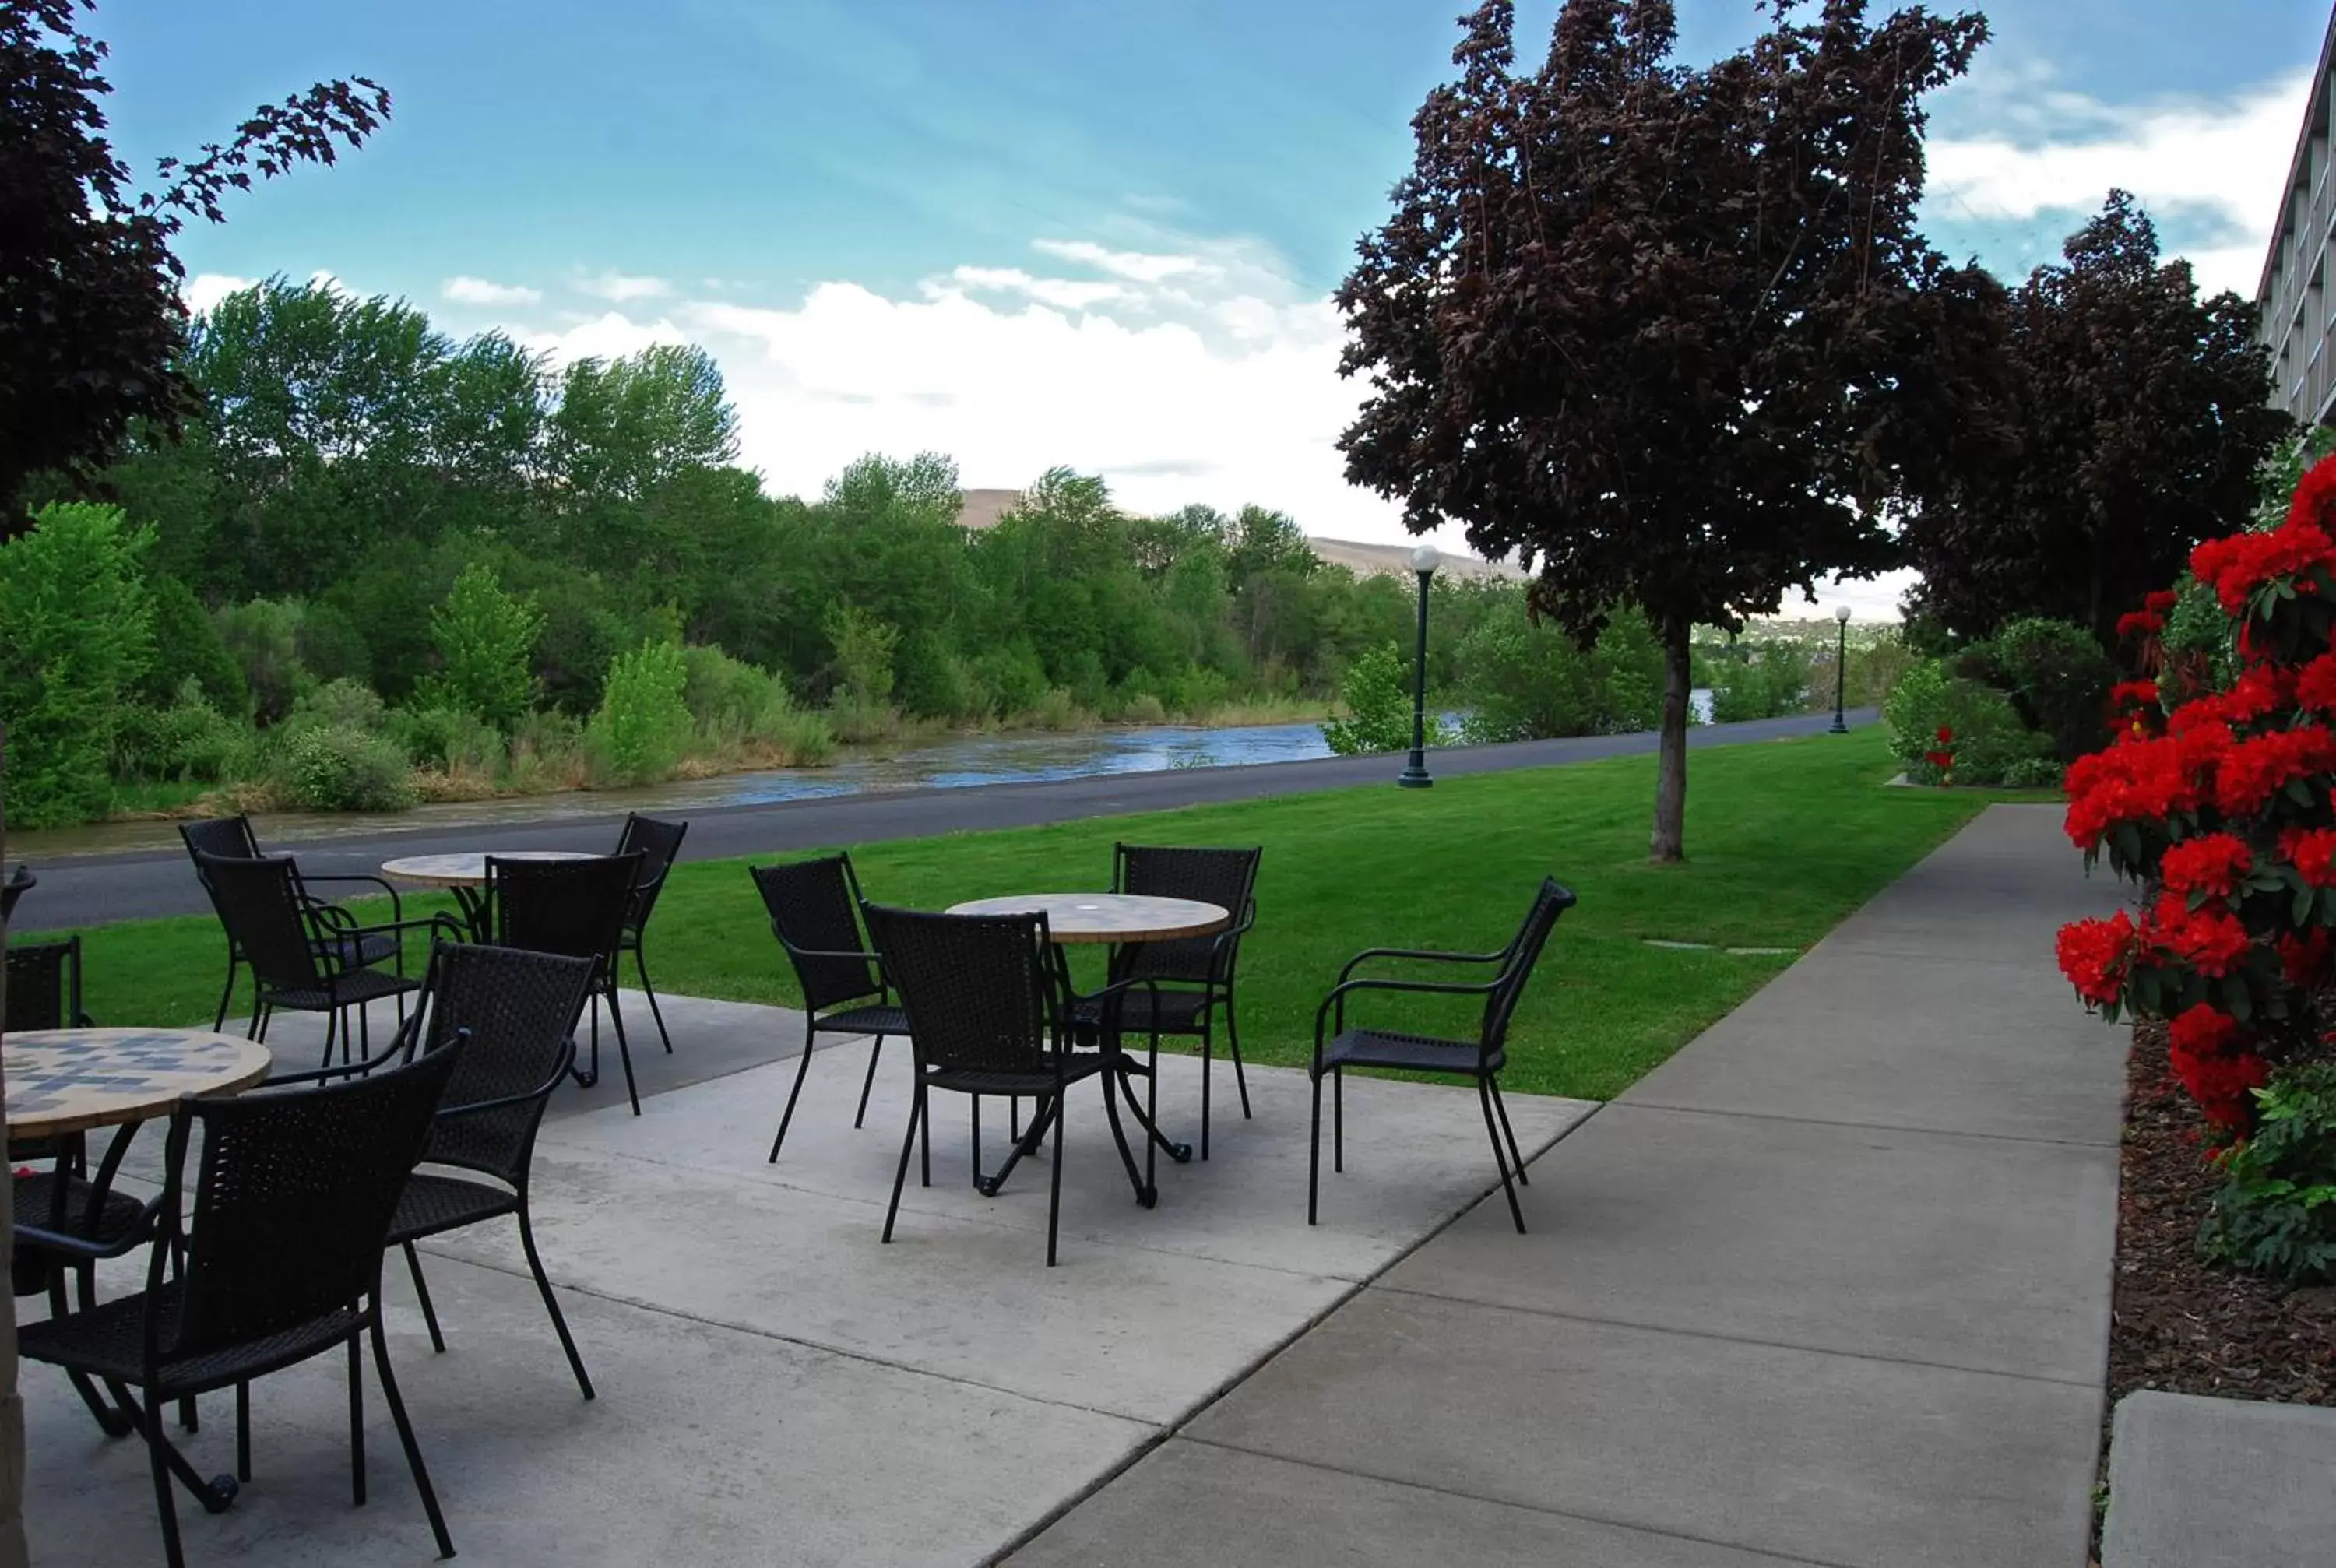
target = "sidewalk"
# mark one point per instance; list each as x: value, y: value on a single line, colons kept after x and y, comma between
x: 1832, y: 1286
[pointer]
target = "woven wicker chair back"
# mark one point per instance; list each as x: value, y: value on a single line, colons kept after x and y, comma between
x: 982, y: 992
x: 814, y: 906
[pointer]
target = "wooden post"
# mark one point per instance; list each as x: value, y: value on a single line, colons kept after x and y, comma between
x: 13, y: 1551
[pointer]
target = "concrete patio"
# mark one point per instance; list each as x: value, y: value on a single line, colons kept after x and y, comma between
x: 774, y: 1385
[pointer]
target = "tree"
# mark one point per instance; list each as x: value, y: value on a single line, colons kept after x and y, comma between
x: 1669, y: 334
x: 77, y: 634
x: 626, y: 425
x: 91, y: 321
x: 487, y: 639
x: 2144, y: 416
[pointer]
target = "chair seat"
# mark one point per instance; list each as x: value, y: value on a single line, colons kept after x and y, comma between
x: 1179, y: 1010
x: 347, y: 989
x: 872, y: 1020
x: 117, y: 1214
x: 1416, y: 1053
x: 109, y: 1342
x: 432, y: 1204
x: 1077, y: 1065
x: 358, y: 952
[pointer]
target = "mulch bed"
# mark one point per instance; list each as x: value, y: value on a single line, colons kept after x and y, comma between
x: 2178, y: 1324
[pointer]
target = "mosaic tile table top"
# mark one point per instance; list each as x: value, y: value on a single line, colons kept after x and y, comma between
x: 70, y: 1080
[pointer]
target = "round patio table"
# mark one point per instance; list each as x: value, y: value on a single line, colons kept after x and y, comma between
x: 465, y: 875
x: 1077, y: 917
x: 64, y: 1081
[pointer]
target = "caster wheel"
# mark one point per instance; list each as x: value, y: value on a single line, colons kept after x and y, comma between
x: 586, y: 1080
x: 1181, y: 1153
x: 987, y: 1186
x: 220, y: 1495
x: 1149, y: 1198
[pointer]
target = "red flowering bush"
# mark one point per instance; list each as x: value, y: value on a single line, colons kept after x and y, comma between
x: 2223, y: 815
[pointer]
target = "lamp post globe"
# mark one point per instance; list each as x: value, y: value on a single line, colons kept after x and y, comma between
x: 1424, y: 559
x: 1840, y: 725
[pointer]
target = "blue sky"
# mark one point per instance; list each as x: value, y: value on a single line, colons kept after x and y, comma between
x: 1039, y: 231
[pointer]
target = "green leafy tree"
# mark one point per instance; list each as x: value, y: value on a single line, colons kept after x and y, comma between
x: 264, y: 638
x: 1669, y: 335
x: 1377, y: 697
x: 486, y: 640
x: 642, y: 728
x: 625, y: 426
x: 1522, y: 680
x: 185, y: 629
x: 76, y: 636
x: 91, y: 321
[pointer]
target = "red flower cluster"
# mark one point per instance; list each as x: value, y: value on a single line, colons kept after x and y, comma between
x: 2096, y: 955
x: 2253, y: 770
x: 2143, y: 780
x: 2235, y: 568
x: 2207, y: 1050
x: 2304, y: 960
x: 2315, y: 685
x: 2312, y: 854
x: 2211, y: 863
x: 2208, y: 939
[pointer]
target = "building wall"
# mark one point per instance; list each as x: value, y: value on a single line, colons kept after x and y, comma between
x: 2298, y: 293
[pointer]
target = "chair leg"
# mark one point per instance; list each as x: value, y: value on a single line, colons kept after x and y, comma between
x: 257, y: 1028
x: 331, y: 1032
x: 641, y: 967
x: 356, y: 1422
x: 1500, y: 1155
x: 1233, y: 1044
x: 624, y: 1050
x: 551, y: 1302
x: 1515, y: 1159
x: 421, y: 1294
x: 243, y: 1432
x: 1314, y: 1153
x: 226, y: 995
x: 976, y: 1144
x: 925, y: 1137
x: 802, y: 1066
x: 908, y: 1143
x: 1146, y: 1196
x: 875, y: 1055
x: 165, y: 1505
x: 1206, y: 1054
x: 1055, y: 1181
x: 405, y: 1436
x: 1338, y: 1120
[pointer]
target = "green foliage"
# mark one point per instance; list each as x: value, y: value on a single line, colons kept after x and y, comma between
x: 642, y: 728
x: 2057, y: 677
x: 329, y: 644
x: 77, y: 636
x: 737, y: 706
x: 346, y: 704
x: 446, y: 738
x: 1989, y: 737
x: 183, y: 629
x: 1523, y: 681
x: 2276, y: 1211
x: 2200, y: 648
x: 263, y: 637
x: 1377, y: 695
x: 187, y: 741
x: 1762, y: 678
x: 335, y: 768
x: 486, y: 640
x: 2033, y: 773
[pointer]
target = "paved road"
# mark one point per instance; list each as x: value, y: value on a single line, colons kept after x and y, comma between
x: 90, y: 890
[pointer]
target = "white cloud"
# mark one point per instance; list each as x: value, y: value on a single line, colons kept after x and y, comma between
x: 2211, y: 164
x: 622, y: 289
x: 608, y: 335
x: 479, y: 291
x: 1135, y: 265
x: 1063, y: 293
x: 205, y: 289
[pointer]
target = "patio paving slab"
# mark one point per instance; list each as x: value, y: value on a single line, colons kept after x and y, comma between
x: 1839, y: 1459
x: 1220, y: 1505
x: 2196, y: 1482
x: 1827, y: 1238
x: 708, y: 1445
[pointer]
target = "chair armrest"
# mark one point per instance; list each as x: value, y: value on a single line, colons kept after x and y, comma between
x: 401, y: 1045
x: 1338, y: 993
x: 82, y: 1247
x: 505, y: 1102
x: 443, y: 922
x: 1112, y: 995
x: 794, y: 951
x: 382, y: 883
x: 1427, y: 953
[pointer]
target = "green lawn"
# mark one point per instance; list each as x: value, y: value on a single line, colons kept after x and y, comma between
x: 1786, y: 838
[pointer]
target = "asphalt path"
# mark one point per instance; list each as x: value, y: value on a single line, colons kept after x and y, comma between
x: 84, y: 891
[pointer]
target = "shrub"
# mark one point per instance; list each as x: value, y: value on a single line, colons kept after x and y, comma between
x: 184, y: 629
x: 486, y: 641
x: 1523, y: 681
x: 1013, y: 678
x: 642, y: 728
x: 2058, y: 679
x: 2035, y: 773
x: 2276, y: 1211
x: 332, y: 767
x: 547, y: 753
x: 329, y: 644
x: 1142, y: 709
x: 189, y: 741
x: 77, y: 634
x: 1056, y: 709
x: 1377, y: 692
x: 933, y: 682
x: 448, y: 739
x: 1985, y: 733
x: 345, y: 703
x: 737, y: 706
x: 264, y: 637
x: 1764, y: 679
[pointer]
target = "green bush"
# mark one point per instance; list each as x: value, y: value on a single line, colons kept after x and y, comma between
x: 1378, y: 700
x: 1990, y: 737
x: 642, y: 728
x: 264, y: 637
x: 1761, y: 679
x: 2035, y: 773
x: 76, y: 634
x: 1523, y: 681
x: 184, y: 630
x: 1056, y: 709
x: 329, y: 644
x: 345, y: 703
x: 932, y: 682
x: 1142, y: 709
x: 189, y: 741
x: 332, y: 767
x: 2058, y: 679
x: 446, y: 738
x: 734, y: 705
x: 2200, y: 647
x: 1013, y: 678
x: 2276, y: 1211
x: 486, y: 641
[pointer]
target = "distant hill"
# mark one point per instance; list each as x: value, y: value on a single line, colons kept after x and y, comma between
x: 983, y: 508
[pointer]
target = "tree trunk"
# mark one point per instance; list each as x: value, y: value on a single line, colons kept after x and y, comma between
x: 1668, y: 842
x: 12, y: 1407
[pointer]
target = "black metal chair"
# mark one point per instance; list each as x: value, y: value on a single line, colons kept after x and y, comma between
x: 658, y: 842
x: 814, y: 912
x: 352, y: 945
x: 292, y: 1204
x: 1479, y: 1060
x: 519, y: 1010
x: 1195, y: 975
x: 20, y: 881
x: 301, y: 960
x: 575, y: 908
x: 988, y: 1006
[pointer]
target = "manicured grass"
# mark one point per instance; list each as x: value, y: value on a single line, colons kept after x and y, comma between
x: 1786, y: 839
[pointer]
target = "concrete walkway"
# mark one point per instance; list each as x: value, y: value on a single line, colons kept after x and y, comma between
x: 1830, y: 1286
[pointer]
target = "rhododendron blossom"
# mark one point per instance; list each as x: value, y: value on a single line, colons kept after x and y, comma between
x: 2210, y: 863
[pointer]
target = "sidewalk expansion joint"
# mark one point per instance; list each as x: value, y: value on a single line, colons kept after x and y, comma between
x: 1867, y: 1126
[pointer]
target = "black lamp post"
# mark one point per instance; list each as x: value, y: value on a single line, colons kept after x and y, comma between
x: 1423, y: 560
x: 1840, y: 670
